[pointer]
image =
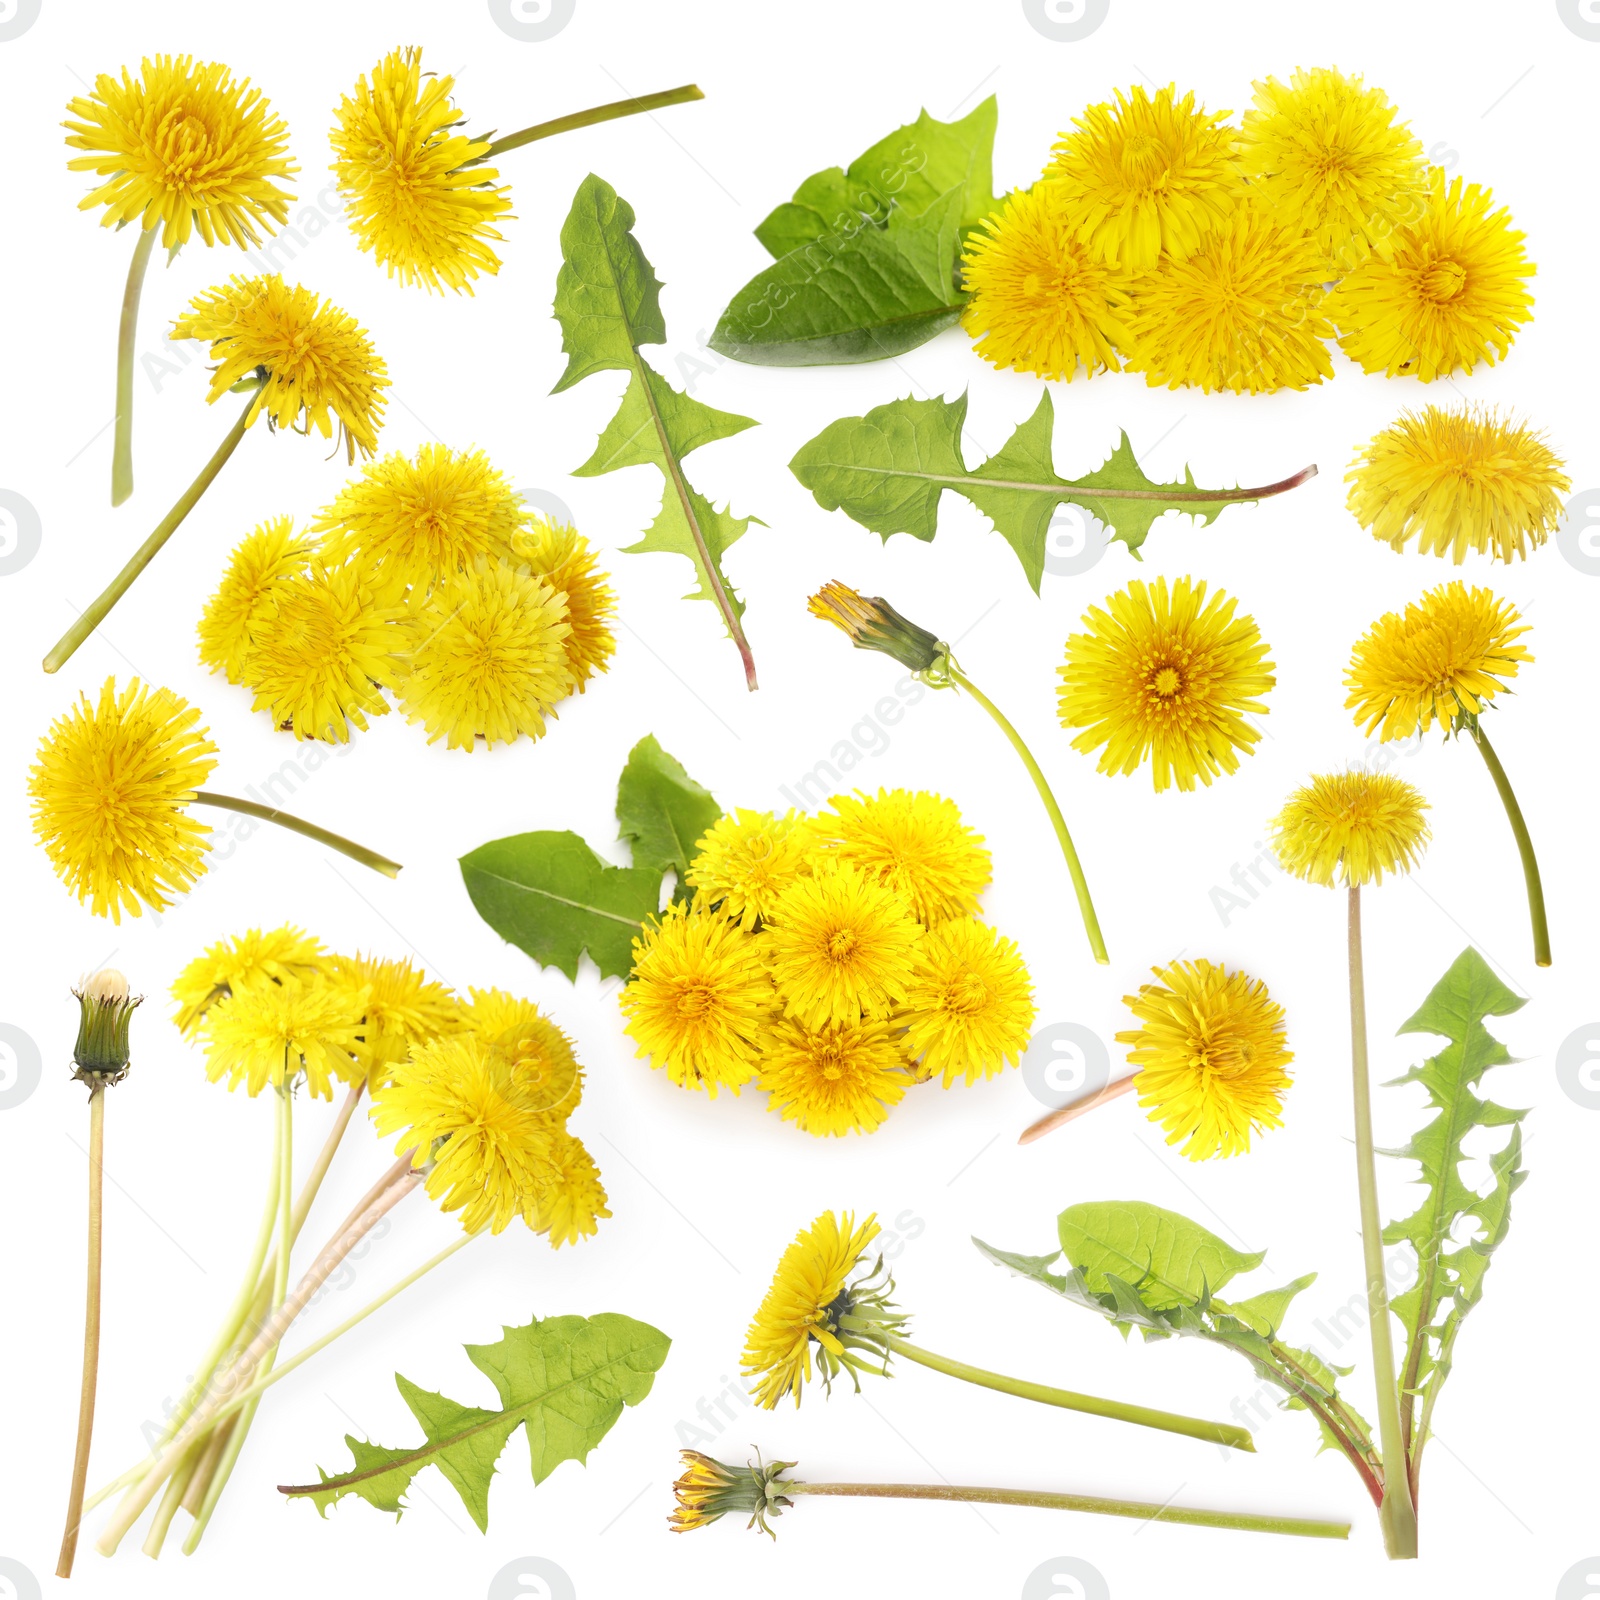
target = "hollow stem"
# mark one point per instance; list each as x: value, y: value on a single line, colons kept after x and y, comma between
x: 1519, y: 828
x: 309, y: 830
x: 1224, y: 1433
x: 1069, y: 1113
x: 100, y: 608
x: 587, y: 119
x: 1091, y: 923
x: 127, y: 334
x: 172, y: 1499
x: 1397, y: 1514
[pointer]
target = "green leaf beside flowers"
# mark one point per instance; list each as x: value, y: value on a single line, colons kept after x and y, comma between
x: 661, y: 810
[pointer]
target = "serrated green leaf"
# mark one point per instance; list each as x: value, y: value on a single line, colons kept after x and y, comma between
x: 563, y: 1380
x: 1169, y: 1259
x: 1265, y: 1312
x: 555, y: 899
x: 661, y: 810
x: 888, y: 469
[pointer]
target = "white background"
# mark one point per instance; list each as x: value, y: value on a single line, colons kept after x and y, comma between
x: 706, y: 1194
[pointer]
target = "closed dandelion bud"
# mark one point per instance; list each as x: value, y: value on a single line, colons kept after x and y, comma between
x: 105, y: 1008
x: 874, y: 624
x: 708, y: 1489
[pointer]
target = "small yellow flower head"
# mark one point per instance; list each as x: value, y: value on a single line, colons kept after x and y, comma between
x: 840, y: 1079
x: 1447, y: 293
x: 490, y: 659
x: 915, y: 844
x: 184, y: 148
x: 1442, y: 660
x: 242, y: 965
x: 873, y: 624
x: 841, y: 947
x: 1041, y: 301
x: 708, y: 1489
x: 1350, y: 828
x: 399, y: 1008
x: 569, y: 564
x: 424, y: 520
x: 318, y: 363
x: 1458, y: 480
x: 272, y: 1032
x: 969, y: 1009
x: 1149, y: 176
x: 540, y: 1054
x: 800, y: 1314
x: 746, y: 859
x: 571, y: 1201
x: 234, y: 613
x: 698, y: 1001
x: 325, y: 647
x: 1210, y: 1049
x: 108, y: 788
x: 1242, y: 312
x: 401, y: 162
x: 1327, y: 157
x: 1165, y: 676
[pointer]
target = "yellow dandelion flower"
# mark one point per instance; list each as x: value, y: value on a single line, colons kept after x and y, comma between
x: 707, y: 1489
x: 1041, y: 301
x: 1166, y: 676
x: 316, y: 364
x: 914, y: 843
x: 698, y: 999
x: 1210, y: 1049
x: 839, y: 1079
x: 271, y: 1032
x: 1327, y: 156
x: 490, y: 659
x: 841, y: 947
x: 569, y: 564
x: 183, y: 147
x: 969, y: 1009
x: 398, y: 1005
x: 541, y: 1055
x: 424, y: 519
x: 746, y: 859
x: 1149, y: 176
x: 1446, y: 294
x: 260, y: 560
x: 403, y: 166
x: 108, y: 788
x: 1458, y: 480
x: 571, y: 1202
x: 1442, y: 660
x: 240, y: 965
x: 1240, y: 312
x: 327, y: 646
x: 1351, y: 828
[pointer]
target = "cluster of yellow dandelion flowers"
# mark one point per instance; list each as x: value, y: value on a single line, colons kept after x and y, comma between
x: 428, y: 578
x: 832, y: 960
x: 1162, y: 240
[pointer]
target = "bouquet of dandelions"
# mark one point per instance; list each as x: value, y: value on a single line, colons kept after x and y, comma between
x: 475, y: 1093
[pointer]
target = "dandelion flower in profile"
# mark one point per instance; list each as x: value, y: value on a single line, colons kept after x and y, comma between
x: 1210, y: 1052
x: 915, y: 844
x: 570, y: 1203
x: 1350, y: 828
x: 1242, y: 312
x: 707, y: 1489
x: 109, y: 789
x: 699, y: 998
x: 1149, y: 176
x: 263, y: 558
x: 1458, y: 480
x: 490, y: 658
x: 746, y: 859
x: 240, y: 965
x: 842, y: 1078
x: 541, y: 1055
x: 1166, y: 676
x: 969, y: 1006
x: 272, y: 1032
x: 399, y: 1008
x: 1041, y: 302
x: 1447, y: 293
x: 569, y: 564
x: 1329, y: 157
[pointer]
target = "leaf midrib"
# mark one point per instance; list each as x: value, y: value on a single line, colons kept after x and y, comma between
x: 560, y: 900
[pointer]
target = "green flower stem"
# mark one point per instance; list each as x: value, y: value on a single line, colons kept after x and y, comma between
x: 99, y: 609
x: 587, y: 119
x: 127, y: 333
x: 1224, y: 1433
x: 1397, y: 1514
x: 1241, y: 1521
x: 172, y: 1499
x: 1530, y: 863
x: 308, y: 830
x: 1080, y: 885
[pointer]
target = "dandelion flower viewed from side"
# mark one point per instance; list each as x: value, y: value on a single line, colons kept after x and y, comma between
x: 271, y: 1032
x: 239, y: 965
x: 842, y: 1078
x: 706, y: 1489
x: 1459, y: 480
x: 262, y: 559
x: 746, y: 859
x: 398, y: 1006
x: 568, y: 563
x: 1210, y: 1052
x: 1166, y: 676
x: 571, y: 1202
x: 969, y: 1006
x: 540, y: 1053
x: 1350, y: 828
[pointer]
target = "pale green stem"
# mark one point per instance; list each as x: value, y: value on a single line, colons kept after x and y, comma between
x: 1519, y: 831
x: 308, y: 830
x: 127, y: 334
x: 587, y: 119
